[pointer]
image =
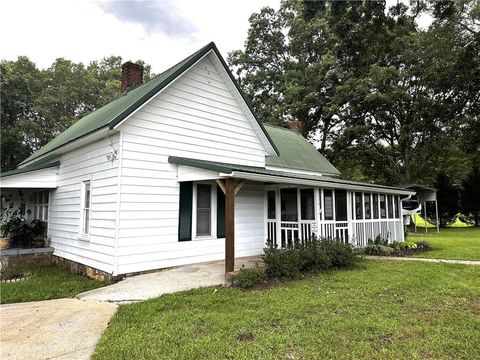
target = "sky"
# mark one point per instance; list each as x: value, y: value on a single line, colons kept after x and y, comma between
x: 159, y: 32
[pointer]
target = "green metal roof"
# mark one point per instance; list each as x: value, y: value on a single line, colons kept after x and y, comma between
x: 296, y: 152
x: 113, y: 113
x: 229, y: 168
x: 34, y: 167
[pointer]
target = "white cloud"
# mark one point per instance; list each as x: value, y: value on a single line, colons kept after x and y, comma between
x: 86, y: 30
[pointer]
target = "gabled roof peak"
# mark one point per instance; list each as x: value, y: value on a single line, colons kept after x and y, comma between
x: 116, y: 111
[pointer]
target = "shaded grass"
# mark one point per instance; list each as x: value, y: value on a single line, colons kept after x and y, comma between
x: 45, y: 282
x: 381, y: 310
x: 457, y: 244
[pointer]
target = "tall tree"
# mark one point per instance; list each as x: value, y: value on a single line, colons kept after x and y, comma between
x: 447, y: 198
x: 39, y: 104
x: 368, y: 83
x: 470, y: 196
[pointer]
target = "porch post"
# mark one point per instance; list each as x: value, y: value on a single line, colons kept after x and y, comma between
x: 230, y: 186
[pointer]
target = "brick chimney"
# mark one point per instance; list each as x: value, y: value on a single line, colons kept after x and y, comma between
x: 132, y: 76
x: 296, y: 125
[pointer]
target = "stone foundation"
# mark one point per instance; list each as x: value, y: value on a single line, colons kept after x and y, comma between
x: 22, y: 258
x: 84, y: 270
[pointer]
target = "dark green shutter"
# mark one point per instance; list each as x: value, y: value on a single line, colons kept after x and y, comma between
x: 185, y: 211
x: 220, y: 213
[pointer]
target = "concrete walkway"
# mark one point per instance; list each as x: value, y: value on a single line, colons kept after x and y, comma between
x: 147, y: 286
x: 53, y: 329
x: 445, y: 261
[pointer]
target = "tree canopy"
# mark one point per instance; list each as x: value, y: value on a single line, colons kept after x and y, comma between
x: 37, y: 105
x: 385, y: 99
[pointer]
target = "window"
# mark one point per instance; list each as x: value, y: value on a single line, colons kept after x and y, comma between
x: 390, y: 206
x: 87, y: 195
x: 383, y: 207
x: 358, y: 206
x: 341, y: 205
x: 328, y: 204
x: 40, y: 205
x: 288, y: 202
x: 204, y: 209
x: 307, y: 204
x: 375, y: 206
x: 368, y: 205
x: 271, y: 204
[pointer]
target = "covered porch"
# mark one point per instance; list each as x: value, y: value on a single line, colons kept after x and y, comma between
x: 298, y: 206
x: 25, y: 195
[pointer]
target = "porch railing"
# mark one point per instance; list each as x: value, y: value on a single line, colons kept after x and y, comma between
x: 356, y: 232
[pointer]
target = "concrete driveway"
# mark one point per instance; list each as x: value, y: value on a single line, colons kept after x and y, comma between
x: 52, y: 329
x: 70, y: 328
x: 147, y: 286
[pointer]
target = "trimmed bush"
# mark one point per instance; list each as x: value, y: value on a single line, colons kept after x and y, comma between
x: 340, y: 254
x: 312, y: 256
x: 398, y: 245
x: 282, y: 262
x: 249, y: 278
x: 423, y: 245
x: 378, y: 250
x: 410, y: 245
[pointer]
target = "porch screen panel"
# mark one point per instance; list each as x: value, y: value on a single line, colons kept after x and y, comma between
x: 375, y: 206
x: 185, y: 211
x: 383, y: 207
x: 341, y: 205
x: 399, y: 207
x: 358, y: 206
x: 368, y: 206
x: 271, y: 213
x: 289, y: 204
x: 390, y: 206
x: 307, y: 204
x: 328, y: 204
x: 220, y: 213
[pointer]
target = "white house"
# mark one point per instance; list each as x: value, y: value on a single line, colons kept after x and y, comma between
x: 179, y: 170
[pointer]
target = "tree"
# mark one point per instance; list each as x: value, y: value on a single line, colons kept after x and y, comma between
x: 37, y: 105
x: 369, y: 84
x: 447, y: 199
x: 470, y: 196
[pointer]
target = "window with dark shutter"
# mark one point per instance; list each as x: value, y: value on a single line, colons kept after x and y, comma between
x: 185, y: 212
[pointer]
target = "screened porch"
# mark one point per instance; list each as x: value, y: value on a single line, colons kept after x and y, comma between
x: 296, y: 213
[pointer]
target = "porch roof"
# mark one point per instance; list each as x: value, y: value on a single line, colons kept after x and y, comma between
x: 37, y: 176
x: 266, y: 175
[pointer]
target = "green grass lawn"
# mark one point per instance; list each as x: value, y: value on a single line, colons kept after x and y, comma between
x: 381, y: 310
x: 45, y: 282
x: 456, y: 243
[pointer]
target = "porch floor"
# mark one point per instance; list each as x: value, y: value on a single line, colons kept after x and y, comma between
x: 147, y: 286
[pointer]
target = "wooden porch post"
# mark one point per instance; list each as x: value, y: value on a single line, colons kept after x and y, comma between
x: 230, y: 187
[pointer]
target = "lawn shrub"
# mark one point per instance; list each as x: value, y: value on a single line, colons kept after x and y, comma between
x: 249, y: 278
x: 425, y: 245
x: 340, y: 254
x: 379, y: 240
x: 398, y: 245
x: 314, y: 256
x: 282, y: 262
x: 410, y: 245
x: 311, y: 256
x: 378, y: 250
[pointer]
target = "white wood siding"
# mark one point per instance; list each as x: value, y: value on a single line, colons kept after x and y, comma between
x: 86, y: 163
x: 195, y: 117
